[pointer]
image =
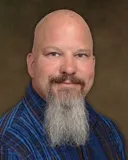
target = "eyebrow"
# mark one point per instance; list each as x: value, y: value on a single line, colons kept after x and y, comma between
x: 59, y: 50
x: 52, y: 47
x: 84, y: 50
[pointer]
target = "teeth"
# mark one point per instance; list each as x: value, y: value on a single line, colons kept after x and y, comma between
x: 67, y: 81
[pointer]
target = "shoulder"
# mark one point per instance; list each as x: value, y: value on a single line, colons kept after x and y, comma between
x: 108, y: 128
x: 20, y: 132
x: 16, y: 119
x: 19, y: 119
x: 16, y: 129
x: 8, y: 153
x: 108, y: 134
x: 102, y: 124
x: 10, y: 118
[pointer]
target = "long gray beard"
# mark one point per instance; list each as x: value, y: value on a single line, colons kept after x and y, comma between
x: 66, y: 118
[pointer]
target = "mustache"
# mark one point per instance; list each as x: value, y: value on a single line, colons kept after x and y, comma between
x: 62, y: 78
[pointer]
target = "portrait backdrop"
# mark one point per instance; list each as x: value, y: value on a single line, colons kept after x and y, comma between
x: 108, y: 21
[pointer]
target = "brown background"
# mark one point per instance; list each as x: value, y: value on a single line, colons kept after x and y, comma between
x: 108, y: 20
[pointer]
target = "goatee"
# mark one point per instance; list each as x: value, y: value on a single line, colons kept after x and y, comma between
x: 66, y: 117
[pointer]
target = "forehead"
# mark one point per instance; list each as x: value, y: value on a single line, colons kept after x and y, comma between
x: 63, y: 29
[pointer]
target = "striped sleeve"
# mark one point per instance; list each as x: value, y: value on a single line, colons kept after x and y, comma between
x: 6, y: 153
x: 117, y: 139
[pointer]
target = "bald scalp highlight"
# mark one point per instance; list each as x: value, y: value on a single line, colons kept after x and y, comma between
x: 59, y: 16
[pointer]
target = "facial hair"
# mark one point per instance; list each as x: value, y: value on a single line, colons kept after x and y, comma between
x: 66, y: 117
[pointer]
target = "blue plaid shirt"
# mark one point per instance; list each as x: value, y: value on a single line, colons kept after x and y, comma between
x: 22, y: 135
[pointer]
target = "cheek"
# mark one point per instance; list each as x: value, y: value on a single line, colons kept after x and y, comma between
x: 88, y: 68
x: 88, y: 71
x: 44, y: 68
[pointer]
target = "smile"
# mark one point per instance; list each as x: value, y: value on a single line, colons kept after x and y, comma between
x: 68, y: 84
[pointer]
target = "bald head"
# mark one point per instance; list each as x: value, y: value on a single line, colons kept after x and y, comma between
x: 60, y: 16
x: 60, y: 20
x: 62, y: 44
x: 62, y: 69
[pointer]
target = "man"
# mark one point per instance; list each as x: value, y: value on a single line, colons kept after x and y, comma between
x: 53, y: 121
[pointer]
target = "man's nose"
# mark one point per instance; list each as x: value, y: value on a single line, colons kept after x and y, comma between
x: 68, y: 66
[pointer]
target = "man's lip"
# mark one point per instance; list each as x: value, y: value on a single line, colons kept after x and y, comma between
x: 67, y: 82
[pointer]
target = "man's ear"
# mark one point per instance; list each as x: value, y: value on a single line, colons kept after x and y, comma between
x: 30, y: 64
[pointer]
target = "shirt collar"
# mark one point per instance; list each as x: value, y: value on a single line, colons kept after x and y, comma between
x: 37, y: 106
x: 35, y: 103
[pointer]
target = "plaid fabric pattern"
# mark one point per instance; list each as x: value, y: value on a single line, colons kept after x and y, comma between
x: 22, y: 136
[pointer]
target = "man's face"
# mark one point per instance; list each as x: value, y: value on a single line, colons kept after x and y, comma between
x: 62, y: 70
x: 64, y: 60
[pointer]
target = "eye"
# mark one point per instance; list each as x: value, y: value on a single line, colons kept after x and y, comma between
x: 54, y: 54
x: 81, y: 55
